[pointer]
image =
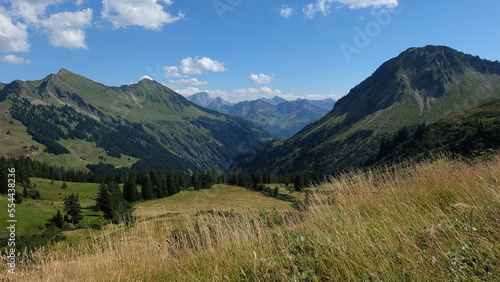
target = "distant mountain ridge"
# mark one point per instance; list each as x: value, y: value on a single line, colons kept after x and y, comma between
x: 281, y: 117
x: 147, y: 122
x: 421, y: 85
x: 205, y: 100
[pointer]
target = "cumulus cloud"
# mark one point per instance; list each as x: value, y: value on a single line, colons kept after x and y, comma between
x: 324, y: 6
x: 150, y: 14
x: 172, y: 72
x: 189, y: 91
x: 31, y: 10
x: 13, y: 36
x: 66, y: 29
x: 260, y: 78
x: 286, y: 11
x: 190, y: 66
x: 13, y: 59
x: 188, y: 82
x: 199, y: 66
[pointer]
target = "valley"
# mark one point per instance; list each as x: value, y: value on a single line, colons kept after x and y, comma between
x: 280, y: 117
x: 397, y: 180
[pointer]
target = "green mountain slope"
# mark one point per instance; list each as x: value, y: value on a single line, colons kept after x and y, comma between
x: 68, y: 113
x: 421, y: 85
x: 471, y: 133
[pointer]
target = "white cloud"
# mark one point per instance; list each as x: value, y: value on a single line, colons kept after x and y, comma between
x: 188, y: 91
x: 13, y: 59
x: 66, y: 29
x: 199, y: 66
x: 260, y: 78
x: 357, y: 4
x: 13, y: 36
x: 172, y: 72
x: 188, y: 82
x: 145, y: 77
x: 286, y: 11
x: 323, y: 6
x: 149, y: 14
x: 79, y: 2
x: 31, y: 10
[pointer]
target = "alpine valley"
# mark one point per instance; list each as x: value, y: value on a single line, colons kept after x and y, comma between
x: 398, y: 182
x: 281, y: 117
x: 66, y: 119
x: 421, y: 85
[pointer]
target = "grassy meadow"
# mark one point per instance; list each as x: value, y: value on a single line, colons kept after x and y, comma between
x: 436, y: 221
x: 34, y: 213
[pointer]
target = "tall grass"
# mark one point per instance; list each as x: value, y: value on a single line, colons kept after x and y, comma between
x: 428, y: 222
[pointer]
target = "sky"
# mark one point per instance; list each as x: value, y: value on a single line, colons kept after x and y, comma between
x: 236, y: 49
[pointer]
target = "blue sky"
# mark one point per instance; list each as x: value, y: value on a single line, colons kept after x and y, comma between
x: 236, y: 49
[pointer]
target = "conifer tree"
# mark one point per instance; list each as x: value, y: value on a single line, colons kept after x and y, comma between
x: 58, y: 219
x: 130, y: 193
x: 73, y: 208
x: 103, y: 202
x: 147, y: 189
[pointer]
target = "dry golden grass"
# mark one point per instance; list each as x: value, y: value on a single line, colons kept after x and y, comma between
x: 429, y: 222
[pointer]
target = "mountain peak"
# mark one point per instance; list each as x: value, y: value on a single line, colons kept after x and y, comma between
x: 201, y: 98
x: 420, y: 85
x: 63, y: 71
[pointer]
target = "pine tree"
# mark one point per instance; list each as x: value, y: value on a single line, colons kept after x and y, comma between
x: 299, y: 181
x: 276, y: 191
x: 73, y: 208
x: 147, y: 190
x: 111, y: 202
x: 103, y: 202
x: 18, y: 198
x: 130, y: 193
x: 57, y: 219
x: 25, y: 192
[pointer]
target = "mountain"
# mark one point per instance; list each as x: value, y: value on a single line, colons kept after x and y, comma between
x: 275, y: 100
x: 326, y: 104
x: 68, y: 119
x: 281, y: 117
x: 203, y: 99
x: 421, y: 85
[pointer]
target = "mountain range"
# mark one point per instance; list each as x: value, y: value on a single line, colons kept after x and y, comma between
x: 281, y: 117
x: 421, y: 85
x: 67, y: 119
